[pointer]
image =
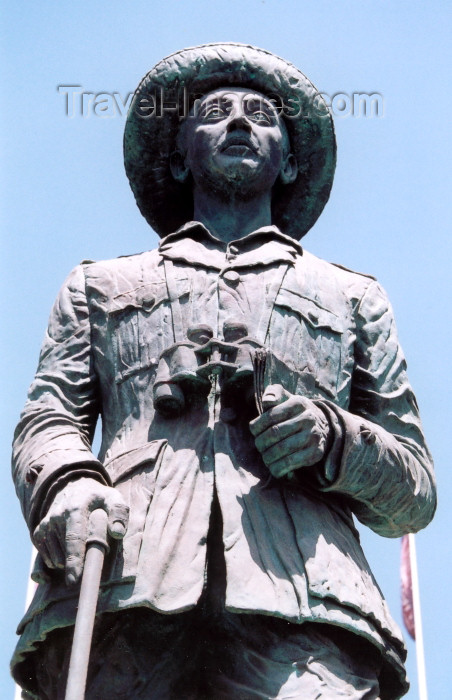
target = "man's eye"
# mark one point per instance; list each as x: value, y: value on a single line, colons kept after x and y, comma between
x: 213, y: 113
x: 260, y: 117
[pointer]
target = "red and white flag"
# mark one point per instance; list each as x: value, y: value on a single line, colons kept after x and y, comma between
x: 411, y: 606
x: 407, y: 587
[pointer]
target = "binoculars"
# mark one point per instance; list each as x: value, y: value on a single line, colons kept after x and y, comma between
x: 186, y: 369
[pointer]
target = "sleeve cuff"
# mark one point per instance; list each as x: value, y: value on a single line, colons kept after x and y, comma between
x: 324, y: 474
x: 328, y: 469
x: 50, y: 479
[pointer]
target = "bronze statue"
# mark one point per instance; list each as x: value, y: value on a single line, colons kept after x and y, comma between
x: 253, y: 399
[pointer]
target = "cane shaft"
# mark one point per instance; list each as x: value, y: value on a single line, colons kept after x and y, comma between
x: 84, y: 623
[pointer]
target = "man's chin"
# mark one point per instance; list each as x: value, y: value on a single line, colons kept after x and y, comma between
x: 242, y: 170
x: 238, y: 177
x: 241, y: 184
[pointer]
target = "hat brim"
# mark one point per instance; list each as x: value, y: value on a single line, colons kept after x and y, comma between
x: 161, y: 101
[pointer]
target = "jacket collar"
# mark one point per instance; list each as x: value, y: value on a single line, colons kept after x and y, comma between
x: 195, y: 245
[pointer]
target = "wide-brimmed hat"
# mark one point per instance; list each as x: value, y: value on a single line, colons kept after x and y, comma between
x: 166, y: 94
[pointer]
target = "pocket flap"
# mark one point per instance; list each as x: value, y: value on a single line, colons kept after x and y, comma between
x: 311, y: 311
x: 125, y: 463
x: 146, y: 297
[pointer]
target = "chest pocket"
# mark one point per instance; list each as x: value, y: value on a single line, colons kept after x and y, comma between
x: 309, y: 337
x: 140, y: 323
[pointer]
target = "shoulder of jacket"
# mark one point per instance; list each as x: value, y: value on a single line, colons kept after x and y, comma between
x: 336, y: 269
x: 333, y: 279
x: 354, y: 272
x: 124, y: 260
x: 118, y: 276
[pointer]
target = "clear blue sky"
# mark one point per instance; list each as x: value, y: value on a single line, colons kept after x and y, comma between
x: 66, y: 198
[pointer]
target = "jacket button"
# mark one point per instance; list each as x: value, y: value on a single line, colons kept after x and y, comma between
x: 145, y: 299
x: 33, y: 474
x: 368, y: 437
x: 231, y: 277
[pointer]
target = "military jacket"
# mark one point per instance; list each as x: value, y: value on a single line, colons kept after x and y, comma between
x: 290, y: 545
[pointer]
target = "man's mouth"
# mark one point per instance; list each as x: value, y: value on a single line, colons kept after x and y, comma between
x: 237, y: 146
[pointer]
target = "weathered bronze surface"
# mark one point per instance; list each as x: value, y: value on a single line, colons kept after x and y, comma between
x: 253, y: 399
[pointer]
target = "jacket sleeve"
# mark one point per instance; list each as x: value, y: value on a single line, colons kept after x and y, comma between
x: 379, y: 458
x: 52, y: 442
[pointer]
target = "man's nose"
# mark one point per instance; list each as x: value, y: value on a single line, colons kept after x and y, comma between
x: 239, y: 121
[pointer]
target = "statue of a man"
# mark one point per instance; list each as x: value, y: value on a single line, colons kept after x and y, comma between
x: 253, y: 399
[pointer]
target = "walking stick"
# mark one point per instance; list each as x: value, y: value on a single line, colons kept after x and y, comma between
x: 96, y: 547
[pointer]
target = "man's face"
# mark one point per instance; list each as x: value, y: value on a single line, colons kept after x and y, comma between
x: 234, y: 140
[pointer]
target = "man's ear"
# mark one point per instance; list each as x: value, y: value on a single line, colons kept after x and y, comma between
x: 179, y: 170
x: 289, y: 169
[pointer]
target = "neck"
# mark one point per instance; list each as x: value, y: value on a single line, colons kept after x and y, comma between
x: 234, y: 218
